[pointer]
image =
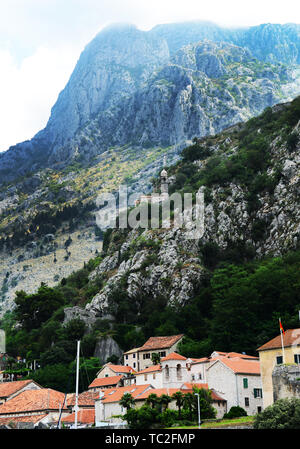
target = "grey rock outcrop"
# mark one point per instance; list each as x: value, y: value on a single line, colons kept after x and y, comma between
x: 107, y: 347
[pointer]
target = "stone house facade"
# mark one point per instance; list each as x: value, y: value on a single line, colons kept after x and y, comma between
x: 239, y: 382
x: 141, y: 357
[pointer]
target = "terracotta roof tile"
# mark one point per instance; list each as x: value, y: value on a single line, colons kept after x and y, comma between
x: 115, y: 394
x: 120, y: 368
x: 161, y: 342
x: 9, y: 388
x: 240, y: 366
x: 85, y: 416
x: 85, y: 399
x: 189, y: 389
x: 33, y: 400
x: 159, y: 392
x: 24, y: 419
x: 150, y: 369
x: 190, y: 385
x: 105, y: 381
x: 291, y: 337
x: 132, y: 351
x: 173, y: 356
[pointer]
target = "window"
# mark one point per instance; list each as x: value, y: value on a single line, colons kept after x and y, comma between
x: 154, y: 376
x: 167, y: 372
x: 193, y: 376
x: 133, y: 365
x: 133, y: 355
x: 245, y: 382
x: 279, y: 360
x: 162, y: 354
x: 178, y: 371
x: 145, y: 376
x: 247, y: 402
x: 146, y: 356
x: 258, y: 409
x: 200, y: 376
x: 257, y: 392
x: 106, y: 375
x: 297, y: 358
x: 126, y: 357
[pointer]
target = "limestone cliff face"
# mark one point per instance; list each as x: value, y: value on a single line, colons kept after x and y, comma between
x: 166, y: 263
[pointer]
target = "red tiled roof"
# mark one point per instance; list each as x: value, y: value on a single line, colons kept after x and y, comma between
x: 115, y: 394
x: 150, y: 369
x: 189, y: 386
x: 25, y: 419
x: 173, y: 356
x: 85, y: 399
x: 241, y: 356
x: 291, y: 337
x: 120, y: 368
x: 159, y: 392
x: 161, y: 342
x: 85, y: 416
x: 204, y: 359
x: 189, y: 389
x: 240, y: 366
x: 9, y: 388
x: 105, y: 381
x: 170, y: 391
x: 33, y: 400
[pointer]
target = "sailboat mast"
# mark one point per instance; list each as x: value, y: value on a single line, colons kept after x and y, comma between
x: 77, y: 384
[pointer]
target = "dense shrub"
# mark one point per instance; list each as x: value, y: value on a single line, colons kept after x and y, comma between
x: 284, y: 414
x: 235, y: 412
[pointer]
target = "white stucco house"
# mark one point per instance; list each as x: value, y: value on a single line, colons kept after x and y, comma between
x: 238, y: 381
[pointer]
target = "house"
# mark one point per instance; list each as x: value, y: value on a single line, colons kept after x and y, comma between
x: 270, y: 355
x: 160, y: 345
x: 238, y: 381
x: 218, y: 402
x: 109, y: 370
x: 106, y: 382
x: 108, y: 405
x: 34, y: 406
x: 153, y: 374
x: 9, y: 390
x: 199, y: 366
x: 157, y: 197
x: 131, y: 358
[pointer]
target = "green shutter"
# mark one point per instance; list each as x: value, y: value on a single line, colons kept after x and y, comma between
x: 245, y: 383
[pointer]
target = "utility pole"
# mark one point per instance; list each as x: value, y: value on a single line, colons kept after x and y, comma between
x: 77, y: 384
x: 199, y: 418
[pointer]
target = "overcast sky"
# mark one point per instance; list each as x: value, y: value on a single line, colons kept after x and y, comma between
x: 41, y: 40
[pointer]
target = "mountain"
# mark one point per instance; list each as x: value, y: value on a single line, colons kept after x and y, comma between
x: 223, y: 290
x: 133, y: 98
x: 250, y: 176
x: 116, y: 76
x: 267, y: 42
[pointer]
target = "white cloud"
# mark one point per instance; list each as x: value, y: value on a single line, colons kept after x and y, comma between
x: 29, y: 90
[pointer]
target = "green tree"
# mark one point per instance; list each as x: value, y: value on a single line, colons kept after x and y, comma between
x: 152, y: 400
x: 284, y: 414
x: 164, y: 401
x: 155, y: 358
x: 127, y: 401
x: 179, y: 398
